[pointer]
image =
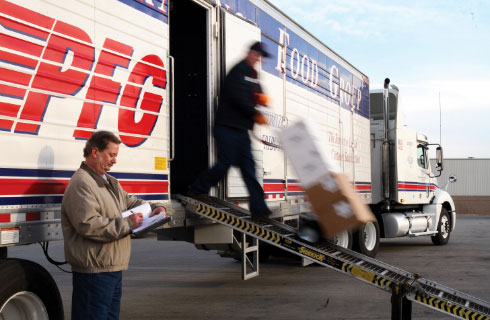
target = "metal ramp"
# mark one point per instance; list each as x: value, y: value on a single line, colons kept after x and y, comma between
x: 404, y: 286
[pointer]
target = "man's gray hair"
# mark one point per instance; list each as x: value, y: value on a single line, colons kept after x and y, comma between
x: 99, y: 140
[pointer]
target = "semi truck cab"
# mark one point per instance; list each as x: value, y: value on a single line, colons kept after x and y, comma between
x: 406, y: 198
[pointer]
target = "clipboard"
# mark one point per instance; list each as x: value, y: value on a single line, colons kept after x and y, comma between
x: 149, y: 223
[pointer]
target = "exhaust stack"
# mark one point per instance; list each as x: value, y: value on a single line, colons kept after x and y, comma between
x: 386, y: 146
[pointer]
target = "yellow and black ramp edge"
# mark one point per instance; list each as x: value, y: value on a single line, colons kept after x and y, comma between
x: 238, y: 223
x: 453, y: 309
x: 447, y: 300
x: 328, y: 260
x: 367, y: 276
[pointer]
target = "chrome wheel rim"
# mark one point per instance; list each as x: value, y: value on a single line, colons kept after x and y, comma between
x: 370, y: 236
x: 24, y: 305
x: 342, y: 239
x: 444, y: 226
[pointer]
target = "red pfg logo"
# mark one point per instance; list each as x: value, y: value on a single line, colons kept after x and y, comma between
x: 62, y: 67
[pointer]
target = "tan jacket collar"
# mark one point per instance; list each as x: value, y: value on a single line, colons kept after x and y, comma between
x: 100, y: 181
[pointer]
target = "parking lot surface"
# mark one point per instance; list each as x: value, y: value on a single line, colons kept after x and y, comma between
x: 174, y: 280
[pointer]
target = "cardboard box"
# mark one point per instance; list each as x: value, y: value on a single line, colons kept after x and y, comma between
x: 331, y: 194
x: 337, y: 205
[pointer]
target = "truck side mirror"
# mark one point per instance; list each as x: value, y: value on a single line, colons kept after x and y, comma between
x: 452, y: 179
x: 439, y: 158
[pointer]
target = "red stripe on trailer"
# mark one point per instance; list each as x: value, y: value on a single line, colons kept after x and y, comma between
x: 15, y: 76
x: 4, y: 217
x: 273, y: 187
x: 294, y: 188
x: 57, y: 186
x: 33, y: 216
x: 8, y: 109
x: 32, y: 186
x: 82, y: 134
x: 12, y: 91
x: 20, y: 45
x: 26, y: 14
x: 18, y: 60
x: 6, y: 124
x: 144, y: 186
x: 363, y: 187
x: 23, y: 28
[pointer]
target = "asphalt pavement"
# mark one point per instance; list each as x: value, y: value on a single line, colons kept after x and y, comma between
x: 174, y: 280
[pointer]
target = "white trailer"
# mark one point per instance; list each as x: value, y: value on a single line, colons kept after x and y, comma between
x: 68, y: 68
x: 151, y: 71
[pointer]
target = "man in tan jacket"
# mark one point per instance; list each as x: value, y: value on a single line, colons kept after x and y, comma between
x: 96, y: 236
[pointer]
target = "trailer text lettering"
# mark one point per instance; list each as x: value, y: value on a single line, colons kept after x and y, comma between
x: 63, y: 65
x: 300, y: 65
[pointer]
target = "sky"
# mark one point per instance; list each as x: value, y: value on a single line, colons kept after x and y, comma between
x: 436, y: 52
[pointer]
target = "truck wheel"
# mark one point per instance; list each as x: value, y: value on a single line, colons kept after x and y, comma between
x: 344, y: 239
x: 309, y: 232
x: 366, y: 239
x: 28, y: 292
x: 443, y: 229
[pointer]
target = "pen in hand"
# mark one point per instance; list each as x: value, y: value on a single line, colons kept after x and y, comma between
x: 136, y: 219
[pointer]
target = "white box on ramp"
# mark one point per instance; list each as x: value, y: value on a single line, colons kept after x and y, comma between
x: 332, y: 196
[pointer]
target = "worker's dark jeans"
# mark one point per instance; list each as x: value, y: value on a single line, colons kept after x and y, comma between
x: 233, y: 150
x: 96, y: 295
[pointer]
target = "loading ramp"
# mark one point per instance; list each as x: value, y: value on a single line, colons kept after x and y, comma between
x: 405, y: 287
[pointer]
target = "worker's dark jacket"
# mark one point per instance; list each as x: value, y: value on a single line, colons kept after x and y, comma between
x: 237, y: 102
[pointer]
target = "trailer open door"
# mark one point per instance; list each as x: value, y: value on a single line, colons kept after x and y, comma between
x: 192, y: 75
x: 237, y: 34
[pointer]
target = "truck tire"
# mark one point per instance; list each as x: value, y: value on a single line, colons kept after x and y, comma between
x: 344, y: 239
x: 309, y: 231
x: 443, y: 229
x: 366, y: 239
x: 28, y: 292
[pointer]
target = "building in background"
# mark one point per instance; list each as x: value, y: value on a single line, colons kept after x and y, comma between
x: 471, y: 192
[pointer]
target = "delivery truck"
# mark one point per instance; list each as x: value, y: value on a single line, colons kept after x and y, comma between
x: 151, y: 71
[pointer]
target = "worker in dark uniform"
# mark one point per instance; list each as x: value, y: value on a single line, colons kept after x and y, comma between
x: 235, y: 116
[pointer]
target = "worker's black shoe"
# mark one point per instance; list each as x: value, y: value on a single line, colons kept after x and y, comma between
x: 203, y: 197
x: 262, y: 217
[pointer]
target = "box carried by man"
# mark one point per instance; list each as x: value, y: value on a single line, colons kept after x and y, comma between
x: 330, y: 193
